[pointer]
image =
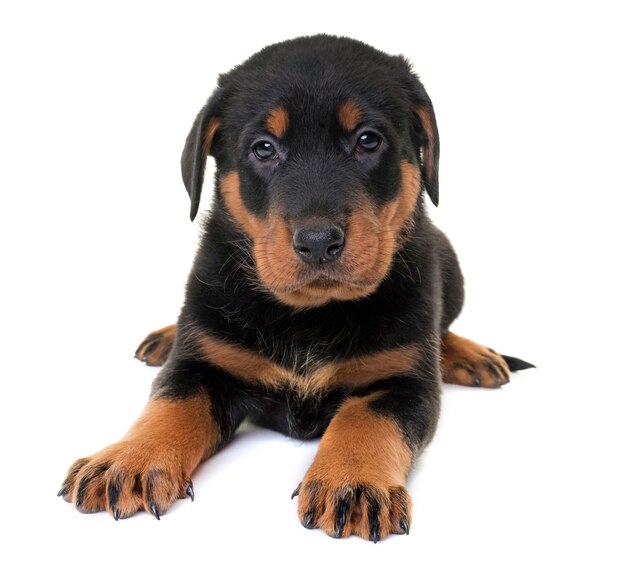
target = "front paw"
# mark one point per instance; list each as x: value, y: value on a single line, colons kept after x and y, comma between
x: 343, y: 506
x: 124, y: 478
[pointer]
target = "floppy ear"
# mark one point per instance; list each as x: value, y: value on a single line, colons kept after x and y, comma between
x: 429, y: 151
x: 198, y: 147
x: 427, y: 135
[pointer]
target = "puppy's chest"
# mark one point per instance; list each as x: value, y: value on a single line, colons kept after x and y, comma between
x: 306, y: 368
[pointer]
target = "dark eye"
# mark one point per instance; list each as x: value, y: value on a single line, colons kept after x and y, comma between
x: 368, y: 141
x: 263, y: 150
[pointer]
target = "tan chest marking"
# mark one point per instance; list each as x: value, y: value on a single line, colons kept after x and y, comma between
x: 354, y: 372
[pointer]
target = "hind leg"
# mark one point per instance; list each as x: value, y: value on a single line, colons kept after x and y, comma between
x: 464, y: 362
x: 156, y: 347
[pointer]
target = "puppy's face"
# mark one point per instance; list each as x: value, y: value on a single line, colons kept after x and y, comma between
x: 322, y: 147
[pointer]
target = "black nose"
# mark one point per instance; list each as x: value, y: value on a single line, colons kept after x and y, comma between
x: 320, y: 244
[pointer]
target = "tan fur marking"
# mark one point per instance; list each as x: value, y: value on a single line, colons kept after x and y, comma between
x: 467, y: 363
x: 395, y: 214
x: 184, y: 425
x: 367, y: 369
x: 209, y: 134
x: 276, y: 262
x: 349, y: 115
x: 277, y: 122
x: 231, y: 192
x: 359, y: 449
x: 374, y: 443
x: 242, y: 363
x: 357, y: 371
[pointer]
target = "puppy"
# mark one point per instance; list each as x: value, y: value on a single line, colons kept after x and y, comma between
x: 320, y: 298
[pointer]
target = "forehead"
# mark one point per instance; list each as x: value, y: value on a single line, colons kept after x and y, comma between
x: 312, y: 79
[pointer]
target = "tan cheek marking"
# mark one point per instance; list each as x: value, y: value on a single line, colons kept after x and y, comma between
x: 230, y: 189
x: 363, y: 240
x: 375, y: 235
x: 349, y: 115
x: 277, y: 264
x: 395, y: 214
x: 277, y: 122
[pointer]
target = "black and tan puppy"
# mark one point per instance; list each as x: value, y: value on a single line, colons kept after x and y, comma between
x: 320, y: 298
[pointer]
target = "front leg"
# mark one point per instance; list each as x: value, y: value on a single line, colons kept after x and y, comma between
x: 151, y: 466
x: 357, y: 482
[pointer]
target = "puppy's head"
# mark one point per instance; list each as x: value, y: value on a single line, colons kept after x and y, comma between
x: 323, y: 146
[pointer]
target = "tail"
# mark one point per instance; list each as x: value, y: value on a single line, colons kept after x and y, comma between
x: 516, y: 364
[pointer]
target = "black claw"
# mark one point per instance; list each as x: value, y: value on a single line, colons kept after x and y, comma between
x: 82, y: 489
x: 498, y: 379
x: 116, y: 514
x: 341, y: 516
x: 63, y: 491
x: 296, y: 492
x: 113, y: 492
x: 404, y: 526
x: 155, y: 511
x: 189, y: 491
x: 309, y: 519
x: 373, y: 519
x: 499, y: 373
x: 374, y: 533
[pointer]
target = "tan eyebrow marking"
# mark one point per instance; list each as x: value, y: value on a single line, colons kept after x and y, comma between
x: 349, y: 115
x: 277, y: 122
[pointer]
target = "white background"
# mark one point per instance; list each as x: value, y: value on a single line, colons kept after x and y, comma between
x: 96, y: 101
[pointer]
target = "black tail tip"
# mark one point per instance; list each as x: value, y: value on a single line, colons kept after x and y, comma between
x: 516, y: 364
